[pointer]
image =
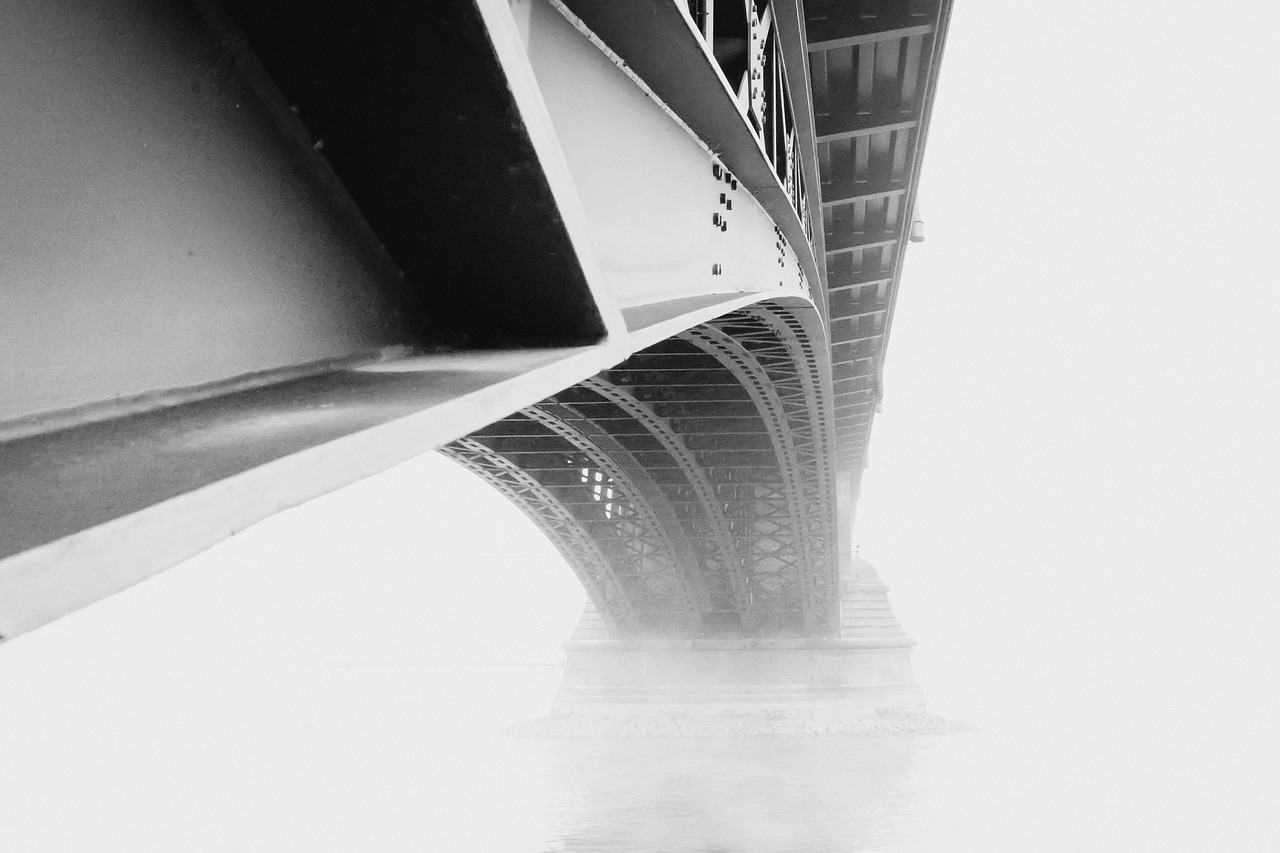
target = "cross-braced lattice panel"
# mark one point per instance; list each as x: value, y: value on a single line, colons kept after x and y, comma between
x: 696, y: 470
x: 789, y: 387
x: 636, y: 574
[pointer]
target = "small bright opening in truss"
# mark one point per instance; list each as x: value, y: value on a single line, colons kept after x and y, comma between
x: 600, y: 490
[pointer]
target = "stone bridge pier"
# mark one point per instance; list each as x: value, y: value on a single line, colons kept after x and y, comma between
x: 866, y: 668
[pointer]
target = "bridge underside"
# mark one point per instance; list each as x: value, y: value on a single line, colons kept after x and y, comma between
x: 688, y: 486
x: 633, y: 264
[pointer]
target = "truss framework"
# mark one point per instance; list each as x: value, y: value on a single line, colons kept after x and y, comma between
x: 688, y: 486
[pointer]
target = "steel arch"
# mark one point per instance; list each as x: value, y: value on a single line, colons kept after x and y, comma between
x: 713, y: 451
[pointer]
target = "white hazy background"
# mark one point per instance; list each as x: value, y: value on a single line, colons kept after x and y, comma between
x: 1073, y: 493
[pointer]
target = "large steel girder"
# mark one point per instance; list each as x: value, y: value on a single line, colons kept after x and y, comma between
x: 689, y: 485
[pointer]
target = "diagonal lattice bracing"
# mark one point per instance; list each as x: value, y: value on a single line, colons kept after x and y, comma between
x: 558, y: 522
x: 689, y: 485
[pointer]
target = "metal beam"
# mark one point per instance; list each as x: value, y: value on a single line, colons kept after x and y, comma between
x: 372, y: 84
x: 557, y: 523
x: 709, y: 503
x: 832, y: 20
x: 870, y: 34
x: 789, y: 20
x: 743, y: 364
x: 865, y: 126
x: 90, y: 510
x: 657, y: 42
x: 876, y: 277
x: 861, y: 195
x: 868, y: 241
x: 637, y: 490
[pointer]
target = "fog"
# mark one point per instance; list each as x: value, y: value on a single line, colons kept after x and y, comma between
x: 298, y: 687
x: 1072, y: 493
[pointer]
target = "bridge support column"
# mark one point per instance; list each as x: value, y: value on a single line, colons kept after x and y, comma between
x: 826, y: 679
x: 835, y: 678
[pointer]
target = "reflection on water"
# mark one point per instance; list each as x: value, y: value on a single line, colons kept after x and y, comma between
x: 731, y: 795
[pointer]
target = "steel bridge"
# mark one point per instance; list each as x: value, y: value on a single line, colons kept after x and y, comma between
x: 634, y: 264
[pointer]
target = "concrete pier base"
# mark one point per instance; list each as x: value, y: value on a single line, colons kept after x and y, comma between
x: 867, y: 669
x: 819, y: 679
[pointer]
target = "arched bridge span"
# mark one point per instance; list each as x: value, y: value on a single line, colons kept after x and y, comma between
x: 634, y: 263
x: 689, y: 485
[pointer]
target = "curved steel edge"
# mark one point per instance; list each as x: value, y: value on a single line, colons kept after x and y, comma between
x: 804, y: 308
x: 299, y: 442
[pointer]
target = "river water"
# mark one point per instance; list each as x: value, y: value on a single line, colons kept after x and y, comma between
x: 272, y: 695
x: 492, y: 790
x: 1015, y: 786
x: 415, y: 758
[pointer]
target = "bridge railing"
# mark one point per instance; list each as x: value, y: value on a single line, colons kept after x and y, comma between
x: 743, y: 43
